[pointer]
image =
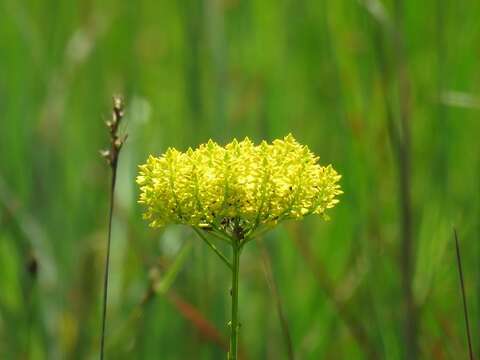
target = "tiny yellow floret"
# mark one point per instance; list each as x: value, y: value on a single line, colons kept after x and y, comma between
x: 252, y: 185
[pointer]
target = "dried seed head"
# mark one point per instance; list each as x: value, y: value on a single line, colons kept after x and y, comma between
x: 118, y: 144
x: 118, y: 103
x: 105, y: 154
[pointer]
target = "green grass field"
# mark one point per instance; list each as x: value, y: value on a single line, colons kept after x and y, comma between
x: 388, y: 92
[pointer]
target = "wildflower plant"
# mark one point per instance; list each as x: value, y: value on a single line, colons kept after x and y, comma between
x: 234, y: 193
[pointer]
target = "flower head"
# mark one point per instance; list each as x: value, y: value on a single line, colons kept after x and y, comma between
x: 242, y: 183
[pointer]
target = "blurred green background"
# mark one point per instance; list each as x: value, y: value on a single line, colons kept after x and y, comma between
x: 386, y: 91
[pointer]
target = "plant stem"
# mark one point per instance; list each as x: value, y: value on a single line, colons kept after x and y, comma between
x: 111, y: 156
x: 464, y: 297
x: 107, y: 262
x: 232, y: 354
x: 213, y: 247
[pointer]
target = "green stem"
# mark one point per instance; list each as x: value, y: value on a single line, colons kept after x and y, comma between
x: 220, y: 236
x: 236, y: 246
x: 213, y: 247
x: 107, y: 260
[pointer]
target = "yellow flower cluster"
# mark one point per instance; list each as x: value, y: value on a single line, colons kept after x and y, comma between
x: 249, y: 184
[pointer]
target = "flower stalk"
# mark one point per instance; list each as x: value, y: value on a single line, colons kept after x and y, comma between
x: 111, y: 156
x: 213, y: 248
x: 234, y: 324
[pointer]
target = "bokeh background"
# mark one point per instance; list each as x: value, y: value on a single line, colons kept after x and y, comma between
x: 386, y: 91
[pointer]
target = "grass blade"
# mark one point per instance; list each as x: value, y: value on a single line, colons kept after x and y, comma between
x: 462, y: 286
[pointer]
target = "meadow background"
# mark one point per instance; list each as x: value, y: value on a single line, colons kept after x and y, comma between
x: 386, y: 91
